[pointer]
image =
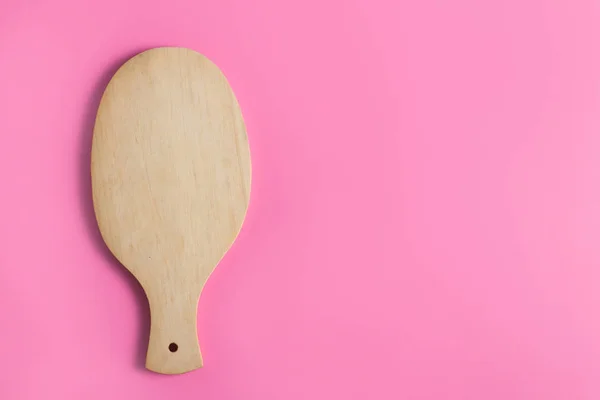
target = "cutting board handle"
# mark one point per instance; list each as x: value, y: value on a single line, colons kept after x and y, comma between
x: 173, y: 346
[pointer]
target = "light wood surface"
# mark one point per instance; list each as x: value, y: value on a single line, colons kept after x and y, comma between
x: 171, y: 180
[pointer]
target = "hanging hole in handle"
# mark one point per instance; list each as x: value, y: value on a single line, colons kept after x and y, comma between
x: 173, y: 347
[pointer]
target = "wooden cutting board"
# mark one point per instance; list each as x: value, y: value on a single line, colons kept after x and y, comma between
x: 171, y: 178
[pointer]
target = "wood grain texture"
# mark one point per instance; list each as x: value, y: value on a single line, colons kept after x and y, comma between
x: 171, y: 179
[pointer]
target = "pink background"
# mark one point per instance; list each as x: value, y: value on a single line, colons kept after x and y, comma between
x: 425, y: 214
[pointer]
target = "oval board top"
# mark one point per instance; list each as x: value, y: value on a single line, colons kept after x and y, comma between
x: 171, y: 168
